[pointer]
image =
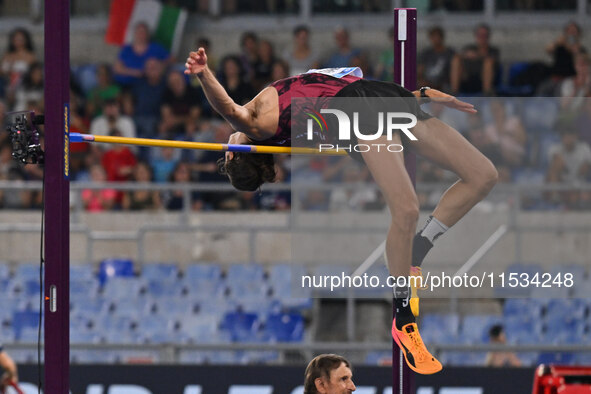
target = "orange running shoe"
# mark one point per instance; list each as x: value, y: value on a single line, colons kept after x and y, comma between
x: 415, y: 353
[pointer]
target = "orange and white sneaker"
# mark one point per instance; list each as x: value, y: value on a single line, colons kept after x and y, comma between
x: 415, y: 285
x: 415, y: 353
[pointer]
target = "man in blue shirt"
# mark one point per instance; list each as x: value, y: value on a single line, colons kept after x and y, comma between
x: 132, y: 58
x: 344, y: 55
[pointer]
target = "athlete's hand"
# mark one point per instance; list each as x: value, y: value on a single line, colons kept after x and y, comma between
x: 196, y: 62
x: 450, y: 101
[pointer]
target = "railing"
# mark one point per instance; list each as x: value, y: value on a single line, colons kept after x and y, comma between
x: 355, y: 351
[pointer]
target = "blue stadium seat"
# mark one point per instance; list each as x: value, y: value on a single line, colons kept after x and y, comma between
x: 203, y: 289
x: 247, y: 289
x: 30, y: 335
x: 81, y: 272
x: 155, y: 329
x: 26, y: 271
x: 540, y: 114
x: 463, y: 359
x: 21, y: 320
x: 243, y: 327
x: 216, y: 306
x: 522, y: 325
x: 4, y: 270
x: 131, y: 307
x: 209, y: 271
x: 475, y: 327
x: 115, y: 324
x: 203, y: 329
x: 521, y: 307
x: 84, y: 337
x: 261, y: 307
x: 160, y: 272
x: 245, y: 272
x: 111, y: 268
x: 93, y: 305
x: 120, y: 288
x: 556, y: 358
x: 285, y: 327
x: 84, y: 287
x: 164, y: 288
x: 173, y: 307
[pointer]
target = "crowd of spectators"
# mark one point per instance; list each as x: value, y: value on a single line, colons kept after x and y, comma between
x: 144, y: 93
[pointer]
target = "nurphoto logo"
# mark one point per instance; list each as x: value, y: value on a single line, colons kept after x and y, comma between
x: 386, y: 125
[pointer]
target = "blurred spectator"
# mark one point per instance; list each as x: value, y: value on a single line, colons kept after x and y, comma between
x: 31, y: 88
x: 279, y: 70
x: 17, y: 59
x: 98, y: 200
x: 264, y: 66
x: 506, y: 132
x: 118, y: 161
x: 503, y: 358
x: 385, y: 68
x: 232, y: 79
x: 301, y: 57
x: 249, y: 43
x: 434, y: 67
x: 130, y: 64
x: 343, y: 56
x: 175, y: 199
x: 564, y: 49
x: 570, y: 159
x: 481, y: 140
x: 105, y: 90
x: 473, y: 69
x: 137, y: 200
x: 573, y: 90
x: 3, y: 110
x: 164, y: 164
x: 180, y: 104
x: 583, y: 121
x: 148, y: 94
x: 110, y: 119
x: 352, y: 196
x: 275, y: 200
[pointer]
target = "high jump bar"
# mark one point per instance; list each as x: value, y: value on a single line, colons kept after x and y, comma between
x: 78, y: 137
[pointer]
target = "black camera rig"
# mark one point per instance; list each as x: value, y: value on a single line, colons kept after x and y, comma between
x: 26, y: 146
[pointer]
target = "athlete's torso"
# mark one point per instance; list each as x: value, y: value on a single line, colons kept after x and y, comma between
x: 311, y: 84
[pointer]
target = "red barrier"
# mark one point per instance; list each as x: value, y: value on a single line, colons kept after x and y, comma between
x: 555, y: 379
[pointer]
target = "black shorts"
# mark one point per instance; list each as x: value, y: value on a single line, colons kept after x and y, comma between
x: 369, y: 88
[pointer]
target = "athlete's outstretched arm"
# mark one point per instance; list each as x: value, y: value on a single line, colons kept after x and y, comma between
x: 217, y: 96
x: 447, y: 100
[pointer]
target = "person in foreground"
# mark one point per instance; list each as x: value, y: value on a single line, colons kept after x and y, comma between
x: 266, y: 120
x: 10, y: 374
x: 329, y: 374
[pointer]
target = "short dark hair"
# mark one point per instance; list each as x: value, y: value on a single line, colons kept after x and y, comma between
x: 319, y: 367
x: 437, y: 30
x: 25, y: 33
x: 495, y: 331
x: 248, y: 35
x: 300, y: 28
x: 248, y: 171
x: 482, y: 26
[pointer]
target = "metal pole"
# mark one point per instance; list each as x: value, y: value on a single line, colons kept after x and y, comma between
x: 57, y: 186
x: 405, y: 74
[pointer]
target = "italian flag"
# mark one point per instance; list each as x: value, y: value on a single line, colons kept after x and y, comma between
x: 166, y: 22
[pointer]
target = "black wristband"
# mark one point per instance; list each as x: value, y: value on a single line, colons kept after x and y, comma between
x: 423, y: 94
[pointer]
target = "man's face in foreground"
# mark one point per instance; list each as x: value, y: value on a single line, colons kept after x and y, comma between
x: 340, y: 382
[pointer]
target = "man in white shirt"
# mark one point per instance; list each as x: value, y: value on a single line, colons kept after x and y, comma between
x: 111, y: 119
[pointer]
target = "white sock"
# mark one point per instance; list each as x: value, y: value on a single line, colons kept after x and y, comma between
x: 433, y: 229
